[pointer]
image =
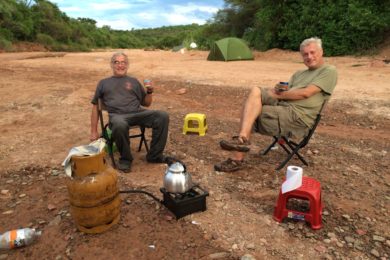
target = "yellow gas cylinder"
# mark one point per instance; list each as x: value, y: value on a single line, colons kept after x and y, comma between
x: 93, y: 194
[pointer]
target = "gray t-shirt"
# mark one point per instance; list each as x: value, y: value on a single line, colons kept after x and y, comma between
x: 120, y: 95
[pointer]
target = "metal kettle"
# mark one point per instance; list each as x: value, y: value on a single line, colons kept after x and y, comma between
x: 177, y: 179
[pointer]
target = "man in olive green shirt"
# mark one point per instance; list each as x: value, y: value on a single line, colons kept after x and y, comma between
x: 288, y: 113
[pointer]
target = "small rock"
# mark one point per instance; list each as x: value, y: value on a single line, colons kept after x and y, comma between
x: 309, y: 235
x: 4, y: 192
x: 234, y: 246
x: 320, y: 249
x: 181, y: 91
x: 327, y: 241
x: 361, y: 232
x: 68, y: 251
x: 56, y: 221
x: 8, y: 212
x: 55, y: 172
x: 251, y: 246
x: 378, y: 238
x: 58, y: 257
x: 347, y: 217
x: 349, y: 239
x: 22, y: 195
x: 388, y: 243
x: 247, y: 257
x: 51, y: 207
x: 263, y: 241
x: 331, y: 235
x: 325, y: 213
x: 291, y: 226
x: 219, y: 255
x: 168, y: 217
x: 375, y: 253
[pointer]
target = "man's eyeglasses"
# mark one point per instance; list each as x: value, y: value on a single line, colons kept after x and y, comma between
x: 120, y: 62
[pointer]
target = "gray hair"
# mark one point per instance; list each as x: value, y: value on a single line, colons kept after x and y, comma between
x: 308, y: 41
x: 116, y: 54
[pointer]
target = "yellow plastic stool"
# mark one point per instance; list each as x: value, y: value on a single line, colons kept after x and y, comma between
x: 195, y: 122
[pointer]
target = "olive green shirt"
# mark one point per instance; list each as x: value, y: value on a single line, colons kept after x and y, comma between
x: 325, y: 78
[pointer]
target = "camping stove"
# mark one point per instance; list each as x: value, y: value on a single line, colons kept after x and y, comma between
x: 182, y: 204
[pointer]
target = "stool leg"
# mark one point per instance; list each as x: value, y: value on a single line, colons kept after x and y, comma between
x: 316, y: 214
x: 279, y: 208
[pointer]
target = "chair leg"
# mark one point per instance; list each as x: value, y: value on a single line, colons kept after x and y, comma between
x: 271, y: 145
x: 110, y: 146
x: 143, y: 140
x: 301, y: 158
x: 295, y: 150
x: 290, y: 155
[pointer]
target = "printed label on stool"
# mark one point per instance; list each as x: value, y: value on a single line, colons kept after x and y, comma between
x: 295, y: 216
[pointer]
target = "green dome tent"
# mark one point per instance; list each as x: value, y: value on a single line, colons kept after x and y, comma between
x: 230, y: 48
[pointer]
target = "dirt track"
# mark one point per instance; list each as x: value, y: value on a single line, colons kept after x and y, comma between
x: 45, y: 111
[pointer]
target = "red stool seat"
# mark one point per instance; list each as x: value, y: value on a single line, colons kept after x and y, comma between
x: 310, y: 191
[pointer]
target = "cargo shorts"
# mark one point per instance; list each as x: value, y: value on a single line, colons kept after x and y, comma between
x: 278, y: 118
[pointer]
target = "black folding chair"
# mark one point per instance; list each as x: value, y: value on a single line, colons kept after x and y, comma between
x: 293, y: 147
x: 109, y: 140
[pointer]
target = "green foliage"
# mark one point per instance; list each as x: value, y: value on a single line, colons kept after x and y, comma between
x: 5, y: 44
x: 45, y: 40
x: 346, y: 26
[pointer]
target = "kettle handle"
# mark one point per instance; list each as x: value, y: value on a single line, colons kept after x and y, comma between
x: 171, y: 160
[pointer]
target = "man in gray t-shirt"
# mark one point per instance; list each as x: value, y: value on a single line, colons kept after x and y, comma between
x: 124, y: 98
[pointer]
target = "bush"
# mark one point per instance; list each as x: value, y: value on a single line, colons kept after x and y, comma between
x: 5, y: 44
x: 45, y: 40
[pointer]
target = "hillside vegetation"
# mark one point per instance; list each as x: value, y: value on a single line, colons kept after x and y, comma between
x: 347, y: 27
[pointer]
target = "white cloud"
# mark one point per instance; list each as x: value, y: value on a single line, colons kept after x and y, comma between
x: 72, y: 9
x: 191, y: 8
x: 178, y: 19
x: 118, y: 24
x: 128, y: 14
x: 147, y: 16
x: 110, y: 6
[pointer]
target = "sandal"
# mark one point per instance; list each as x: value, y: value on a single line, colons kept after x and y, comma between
x: 229, y: 165
x: 238, y: 143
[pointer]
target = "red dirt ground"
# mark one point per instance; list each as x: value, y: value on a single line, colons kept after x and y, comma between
x: 45, y: 111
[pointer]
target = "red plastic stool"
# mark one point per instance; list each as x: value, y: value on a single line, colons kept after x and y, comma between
x: 311, y: 191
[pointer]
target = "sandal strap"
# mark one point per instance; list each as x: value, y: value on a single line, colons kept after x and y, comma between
x: 242, y: 139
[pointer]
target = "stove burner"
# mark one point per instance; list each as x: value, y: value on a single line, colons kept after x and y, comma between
x: 182, y: 204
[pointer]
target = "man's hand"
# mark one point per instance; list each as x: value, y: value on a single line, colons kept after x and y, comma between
x: 273, y: 93
x: 94, y: 136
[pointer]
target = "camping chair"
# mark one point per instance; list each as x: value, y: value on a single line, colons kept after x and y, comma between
x: 293, y: 147
x: 107, y: 135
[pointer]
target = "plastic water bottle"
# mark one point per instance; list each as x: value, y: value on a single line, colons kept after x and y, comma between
x: 18, y: 238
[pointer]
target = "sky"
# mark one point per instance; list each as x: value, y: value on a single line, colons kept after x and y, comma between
x: 140, y: 14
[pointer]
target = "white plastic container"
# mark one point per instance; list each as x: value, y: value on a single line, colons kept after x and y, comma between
x: 18, y: 238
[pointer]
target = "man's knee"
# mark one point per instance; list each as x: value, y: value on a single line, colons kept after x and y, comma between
x: 162, y: 117
x: 118, y: 124
x: 255, y: 92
